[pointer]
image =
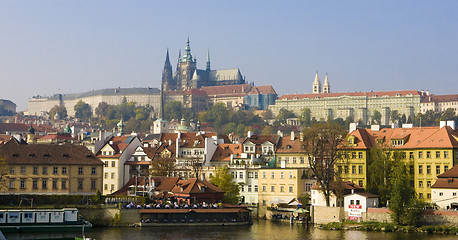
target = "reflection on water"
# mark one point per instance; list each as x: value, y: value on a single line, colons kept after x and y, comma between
x: 259, y: 230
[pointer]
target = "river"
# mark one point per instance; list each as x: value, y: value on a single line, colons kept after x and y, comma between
x: 259, y: 230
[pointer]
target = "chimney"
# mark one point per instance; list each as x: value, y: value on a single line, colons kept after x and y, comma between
x: 427, y: 92
x: 442, y: 124
x: 292, y: 136
x: 111, y: 142
x: 280, y: 133
x: 394, y: 125
x: 352, y: 127
x: 422, y: 92
x: 451, y: 124
x: 301, y: 136
x: 249, y: 134
x: 375, y: 128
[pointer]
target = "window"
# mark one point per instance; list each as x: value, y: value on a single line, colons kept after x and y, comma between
x: 438, y: 154
x: 360, y: 183
x: 272, y: 188
x: 445, y: 168
x: 294, y: 160
x: 80, y: 183
x: 64, y: 170
x: 420, y: 154
x: 264, y: 175
x: 255, y: 175
x: 428, y: 169
x: 445, y: 154
x: 44, y: 184
x: 360, y: 154
x: 54, y: 184
x: 454, y: 194
x: 282, y: 175
x: 282, y: 188
x: 360, y: 169
x: 113, y: 163
x: 263, y: 202
x: 428, y: 184
x: 438, y: 170
x: 358, y: 202
x: 441, y: 194
x: 428, y: 154
x: 106, y: 175
x: 80, y: 170
x: 250, y: 175
x: 346, y: 169
x: 308, y: 187
x: 353, y: 169
x: 44, y: 170
x: 64, y: 184
x: 112, y: 175
x: 420, y: 169
x: 353, y: 154
x: 35, y: 170
x: 22, y: 183
x: 34, y: 184
x: 352, y: 202
x: 11, y: 183
x: 302, y: 159
x: 242, y: 188
x: 241, y: 175
x: 339, y: 169
x: 411, y: 169
x: 420, y: 183
x: 22, y: 169
x: 12, y: 171
x: 92, y: 184
x: 286, y: 159
x: 234, y: 175
x: 105, y: 187
x: 264, y: 188
x: 105, y: 163
x: 272, y: 175
x: 54, y: 170
x: 93, y: 171
x: 256, y: 188
x: 290, y: 188
x: 291, y: 175
x: 249, y: 188
x: 410, y: 155
x: 420, y: 195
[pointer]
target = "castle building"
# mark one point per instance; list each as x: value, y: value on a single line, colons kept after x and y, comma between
x: 187, y: 75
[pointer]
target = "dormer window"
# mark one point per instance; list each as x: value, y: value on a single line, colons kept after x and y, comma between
x: 397, y: 142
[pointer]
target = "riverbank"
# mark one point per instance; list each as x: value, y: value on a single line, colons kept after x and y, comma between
x: 389, y: 227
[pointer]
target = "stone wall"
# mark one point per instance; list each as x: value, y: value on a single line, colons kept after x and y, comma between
x: 89, y: 214
x: 438, y: 217
x: 377, y: 215
x: 323, y: 215
x: 129, y: 216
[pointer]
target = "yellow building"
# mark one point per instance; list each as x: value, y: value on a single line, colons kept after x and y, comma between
x: 281, y: 185
x: 290, y: 152
x: 51, y: 169
x: 429, y: 151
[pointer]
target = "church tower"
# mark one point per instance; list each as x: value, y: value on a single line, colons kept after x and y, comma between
x: 185, y: 69
x: 167, y: 79
x: 326, y: 85
x: 316, y: 84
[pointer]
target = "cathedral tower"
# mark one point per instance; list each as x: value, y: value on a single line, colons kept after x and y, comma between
x: 326, y: 85
x: 185, y: 69
x: 167, y: 79
x: 316, y: 84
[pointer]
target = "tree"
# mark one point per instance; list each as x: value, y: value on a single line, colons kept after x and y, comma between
x: 163, y: 167
x: 267, y: 130
x: 230, y: 127
x: 379, y: 171
x: 60, y: 110
x: 305, y: 117
x: 395, y: 116
x: 4, y: 170
x: 82, y: 110
x: 376, y: 117
x: 284, y: 114
x: 241, y: 130
x: 173, y: 110
x: 132, y: 125
x: 101, y: 109
x: 448, y: 114
x: 405, y: 208
x: 223, y: 179
x: 321, y: 143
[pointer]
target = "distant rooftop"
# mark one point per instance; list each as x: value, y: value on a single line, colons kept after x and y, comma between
x: 105, y: 92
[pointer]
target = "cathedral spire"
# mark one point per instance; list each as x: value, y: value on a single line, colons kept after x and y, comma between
x: 208, y: 60
x: 167, y: 59
x: 326, y: 85
x: 317, y: 84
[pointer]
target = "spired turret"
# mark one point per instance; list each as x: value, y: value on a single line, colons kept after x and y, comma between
x: 167, y: 79
x: 326, y: 85
x: 316, y: 84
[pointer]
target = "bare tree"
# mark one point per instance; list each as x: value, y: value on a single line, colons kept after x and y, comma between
x: 4, y: 171
x: 322, y: 142
x: 163, y: 167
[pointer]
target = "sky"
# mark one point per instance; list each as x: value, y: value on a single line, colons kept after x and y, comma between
x: 49, y: 47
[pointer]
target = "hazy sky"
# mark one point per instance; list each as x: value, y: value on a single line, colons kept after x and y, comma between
x: 49, y: 47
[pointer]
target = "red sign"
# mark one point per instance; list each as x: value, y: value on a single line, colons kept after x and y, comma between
x: 353, y: 218
x: 355, y: 206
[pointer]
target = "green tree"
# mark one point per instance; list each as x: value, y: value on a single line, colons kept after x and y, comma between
x: 322, y: 142
x: 223, y: 179
x: 60, y: 110
x: 132, y: 125
x: 395, y: 116
x: 348, y: 120
x: 284, y: 114
x: 230, y: 127
x: 82, y: 110
x: 382, y: 163
x: 305, y: 117
x: 173, y: 110
x: 4, y: 170
x: 101, y: 109
x: 376, y: 117
x: 267, y: 130
x: 405, y: 208
x: 241, y: 130
x: 126, y: 110
x: 448, y: 114
x: 163, y: 167
x: 404, y: 118
x: 218, y: 115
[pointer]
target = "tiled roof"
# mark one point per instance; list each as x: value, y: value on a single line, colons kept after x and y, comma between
x: 440, y: 98
x: 167, y: 184
x: 57, y: 136
x: 139, y: 181
x: 451, y: 173
x: 268, y: 89
x: 224, y: 151
x: 352, y: 94
x: 51, y: 154
x: 118, y: 143
x: 262, y: 138
x: 194, y: 185
x: 188, y: 140
x: 4, y: 138
x: 363, y: 140
x: 21, y: 127
x: 451, y: 183
x: 241, y: 89
x: 287, y: 145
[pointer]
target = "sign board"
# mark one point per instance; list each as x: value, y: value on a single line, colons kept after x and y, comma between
x: 355, y: 212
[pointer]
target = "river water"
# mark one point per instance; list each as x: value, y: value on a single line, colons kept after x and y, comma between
x: 259, y: 230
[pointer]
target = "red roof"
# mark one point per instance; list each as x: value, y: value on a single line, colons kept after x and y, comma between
x: 441, y: 98
x: 354, y: 94
x: 224, y: 151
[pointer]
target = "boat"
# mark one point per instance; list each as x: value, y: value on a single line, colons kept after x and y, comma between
x: 42, y: 220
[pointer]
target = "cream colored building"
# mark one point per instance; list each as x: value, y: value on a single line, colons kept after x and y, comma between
x: 439, y: 103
